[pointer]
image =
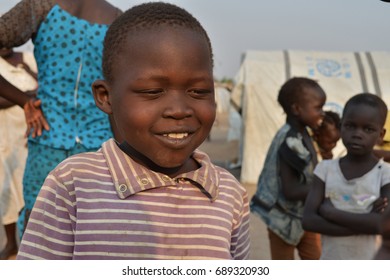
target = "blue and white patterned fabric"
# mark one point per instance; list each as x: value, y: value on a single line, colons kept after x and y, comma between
x: 69, y: 60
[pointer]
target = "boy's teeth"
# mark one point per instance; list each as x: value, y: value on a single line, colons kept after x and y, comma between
x: 176, y: 135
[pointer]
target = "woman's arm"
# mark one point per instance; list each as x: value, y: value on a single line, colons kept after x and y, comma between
x: 12, y: 93
x: 312, y: 220
x: 4, y: 103
x: 20, y: 23
x: 32, y: 107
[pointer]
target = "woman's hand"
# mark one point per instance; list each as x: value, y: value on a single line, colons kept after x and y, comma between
x: 34, y: 117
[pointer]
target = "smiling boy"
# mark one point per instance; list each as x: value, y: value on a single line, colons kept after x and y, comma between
x: 152, y: 196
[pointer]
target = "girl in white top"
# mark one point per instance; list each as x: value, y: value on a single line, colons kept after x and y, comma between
x: 19, y: 69
x: 349, y: 194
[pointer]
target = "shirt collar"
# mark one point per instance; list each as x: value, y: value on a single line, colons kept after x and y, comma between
x: 130, y: 177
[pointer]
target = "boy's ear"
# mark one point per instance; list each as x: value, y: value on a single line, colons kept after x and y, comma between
x: 295, y: 109
x: 101, y: 95
x: 381, y: 136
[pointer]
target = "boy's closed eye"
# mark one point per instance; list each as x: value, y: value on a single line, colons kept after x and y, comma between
x: 200, y: 93
x: 369, y: 129
x: 350, y: 127
x: 150, y: 93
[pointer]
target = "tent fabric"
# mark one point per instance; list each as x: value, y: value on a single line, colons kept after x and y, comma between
x: 262, y: 73
x: 222, y: 98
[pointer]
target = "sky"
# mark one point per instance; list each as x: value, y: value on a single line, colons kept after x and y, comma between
x: 235, y: 26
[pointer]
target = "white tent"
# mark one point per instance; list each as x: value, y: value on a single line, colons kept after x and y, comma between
x: 340, y: 74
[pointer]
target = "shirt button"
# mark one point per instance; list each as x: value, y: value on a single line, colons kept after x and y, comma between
x: 122, y: 188
x: 166, y: 178
x: 144, y: 181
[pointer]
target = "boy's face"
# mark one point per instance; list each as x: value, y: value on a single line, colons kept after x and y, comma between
x: 361, y: 129
x: 309, y: 107
x: 162, y: 96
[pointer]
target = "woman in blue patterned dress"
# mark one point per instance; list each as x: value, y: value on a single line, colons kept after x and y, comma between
x: 63, y: 119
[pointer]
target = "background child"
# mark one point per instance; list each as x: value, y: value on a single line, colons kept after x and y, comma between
x: 63, y: 119
x: 340, y: 203
x: 286, y: 176
x: 13, y: 152
x: 152, y: 196
x: 327, y: 135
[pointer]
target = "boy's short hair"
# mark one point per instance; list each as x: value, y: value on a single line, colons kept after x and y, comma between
x: 290, y: 91
x: 331, y: 118
x: 143, y: 17
x: 370, y: 100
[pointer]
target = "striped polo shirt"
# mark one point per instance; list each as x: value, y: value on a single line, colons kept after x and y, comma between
x: 104, y: 205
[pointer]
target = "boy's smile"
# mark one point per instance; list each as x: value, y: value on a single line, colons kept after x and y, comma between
x: 162, y: 95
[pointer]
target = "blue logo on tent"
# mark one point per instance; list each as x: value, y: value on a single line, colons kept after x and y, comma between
x: 329, y: 68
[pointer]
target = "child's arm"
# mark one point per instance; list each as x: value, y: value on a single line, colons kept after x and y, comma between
x: 366, y: 223
x: 312, y: 220
x: 293, y: 159
x: 292, y: 188
x: 382, y: 154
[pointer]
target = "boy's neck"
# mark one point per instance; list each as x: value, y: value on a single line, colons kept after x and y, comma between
x: 356, y: 166
x: 296, y: 124
x: 367, y: 158
x: 145, y: 161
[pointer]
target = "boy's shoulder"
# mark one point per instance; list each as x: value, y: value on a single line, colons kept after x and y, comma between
x: 384, y: 166
x: 285, y: 129
x: 212, y: 169
x: 328, y: 164
x: 216, y: 175
x: 225, y: 174
x: 90, y: 160
x: 229, y: 184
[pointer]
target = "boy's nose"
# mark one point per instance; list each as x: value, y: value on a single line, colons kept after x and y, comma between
x: 177, y: 105
x: 357, y: 133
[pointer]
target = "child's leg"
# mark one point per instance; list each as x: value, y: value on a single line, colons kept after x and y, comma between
x: 280, y: 250
x: 309, y: 248
x: 11, y: 247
